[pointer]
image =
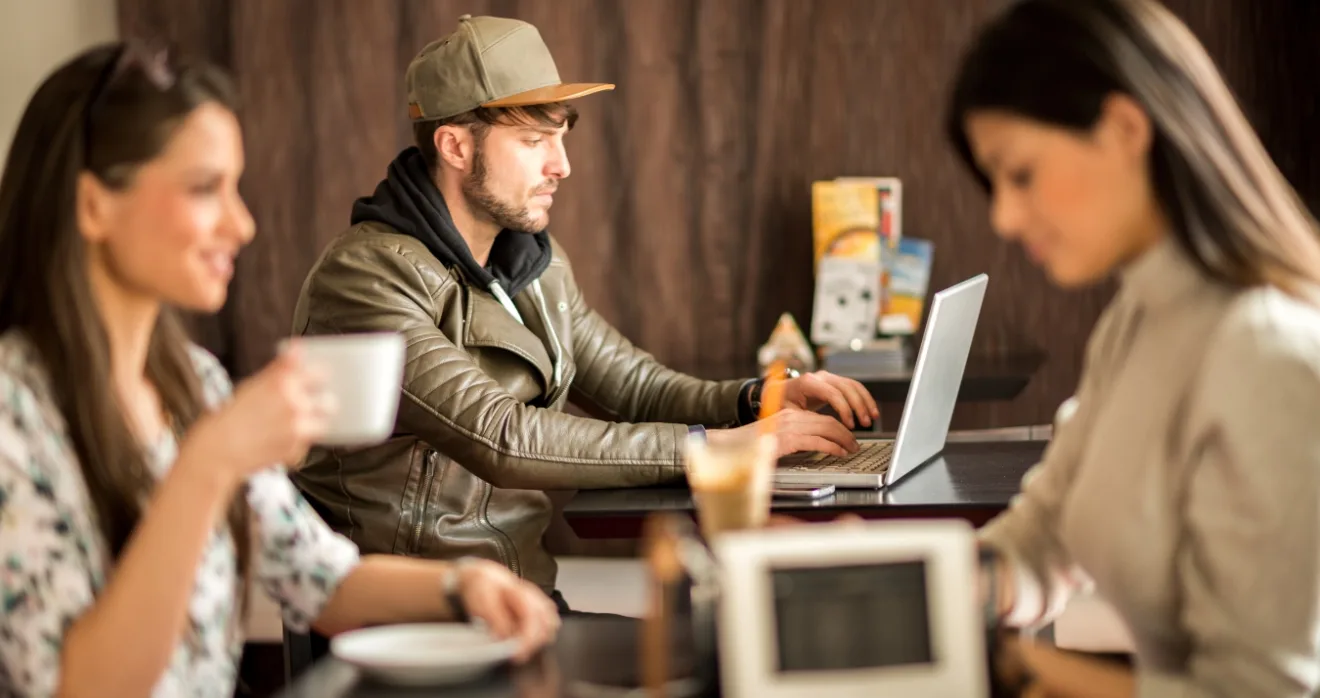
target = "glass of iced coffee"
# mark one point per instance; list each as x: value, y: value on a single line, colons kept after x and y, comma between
x: 731, y: 482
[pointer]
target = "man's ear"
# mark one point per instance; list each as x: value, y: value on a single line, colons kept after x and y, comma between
x: 454, y: 145
x: 92, y: 207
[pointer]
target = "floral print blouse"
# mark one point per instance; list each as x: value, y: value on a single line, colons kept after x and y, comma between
x: 53, y: 559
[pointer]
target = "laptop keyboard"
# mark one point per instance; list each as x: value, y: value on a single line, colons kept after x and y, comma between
x: 871, y: 457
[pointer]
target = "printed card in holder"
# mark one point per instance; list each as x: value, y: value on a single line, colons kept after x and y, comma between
x: 908, y: 269
x: 847, y: 301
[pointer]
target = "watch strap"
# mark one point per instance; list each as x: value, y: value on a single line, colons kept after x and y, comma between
x: 451, y: 588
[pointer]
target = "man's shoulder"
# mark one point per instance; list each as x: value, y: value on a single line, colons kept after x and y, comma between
x: 376, y: 238
x: 370, y: 266
x: 375, y: 249
x: 558, y: 255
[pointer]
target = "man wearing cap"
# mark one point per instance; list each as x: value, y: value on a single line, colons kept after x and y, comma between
x: 452, y: 251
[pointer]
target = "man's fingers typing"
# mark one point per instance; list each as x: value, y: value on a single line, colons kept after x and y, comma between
x: 807, y: 443
x: 852, y: 392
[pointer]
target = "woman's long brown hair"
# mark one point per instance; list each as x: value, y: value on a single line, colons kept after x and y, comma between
x: 1056, y: 61
x: 106, y: 111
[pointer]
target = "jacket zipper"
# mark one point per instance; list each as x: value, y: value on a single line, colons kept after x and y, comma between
x: 509, y: 552
x: 419, y: 510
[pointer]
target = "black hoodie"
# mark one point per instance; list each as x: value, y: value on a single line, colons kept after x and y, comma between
x: 408, y: 201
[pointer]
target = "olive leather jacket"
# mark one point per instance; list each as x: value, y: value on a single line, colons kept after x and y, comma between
x: 481, y: 439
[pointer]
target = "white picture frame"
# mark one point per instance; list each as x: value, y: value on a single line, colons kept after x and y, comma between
x: 747, y: 627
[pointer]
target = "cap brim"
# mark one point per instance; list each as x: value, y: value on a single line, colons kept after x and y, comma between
x: 552, y: 93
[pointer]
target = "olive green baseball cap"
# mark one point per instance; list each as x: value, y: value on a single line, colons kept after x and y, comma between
x: 487, y: 62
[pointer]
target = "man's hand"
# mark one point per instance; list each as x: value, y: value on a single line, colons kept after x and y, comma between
x: 796, y: 431
x: 850, y: 399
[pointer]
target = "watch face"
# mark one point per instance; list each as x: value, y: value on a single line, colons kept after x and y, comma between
x: 855, y: 617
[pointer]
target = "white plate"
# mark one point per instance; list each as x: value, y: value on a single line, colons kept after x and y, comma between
x: 422, y: 654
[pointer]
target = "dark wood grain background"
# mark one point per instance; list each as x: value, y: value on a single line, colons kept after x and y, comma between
x: 688, y: 212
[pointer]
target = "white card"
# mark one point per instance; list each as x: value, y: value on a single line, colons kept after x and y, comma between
x: 847, y: 301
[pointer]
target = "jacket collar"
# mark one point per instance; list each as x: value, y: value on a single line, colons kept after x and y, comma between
x: 487, y: 323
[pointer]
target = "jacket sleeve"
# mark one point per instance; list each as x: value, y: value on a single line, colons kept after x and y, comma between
x: 452, y: 404
x: 624, y: 382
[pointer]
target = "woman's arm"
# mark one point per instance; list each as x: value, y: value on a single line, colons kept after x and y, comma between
x: 388, y: 589
x: 147, y: 596
x: 1034, y: 573
x: 1058, y: 674
x: 148, y: 592
x: 319, y: 580
x: 1039, y: 574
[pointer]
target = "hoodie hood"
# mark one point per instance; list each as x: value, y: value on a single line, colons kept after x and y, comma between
x: 408, y: 201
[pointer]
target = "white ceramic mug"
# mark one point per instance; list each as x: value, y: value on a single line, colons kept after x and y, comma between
x: 364, y: 373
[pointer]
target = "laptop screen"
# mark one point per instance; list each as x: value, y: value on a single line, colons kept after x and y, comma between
x: 852, y: 617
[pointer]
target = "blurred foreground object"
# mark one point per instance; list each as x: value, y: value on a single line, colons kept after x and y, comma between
x: 787, y: 344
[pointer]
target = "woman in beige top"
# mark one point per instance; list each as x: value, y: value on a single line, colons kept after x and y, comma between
x: 1185, y: 486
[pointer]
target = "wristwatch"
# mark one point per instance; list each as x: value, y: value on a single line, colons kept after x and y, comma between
x: 451, y: 588
x: 754, y: 396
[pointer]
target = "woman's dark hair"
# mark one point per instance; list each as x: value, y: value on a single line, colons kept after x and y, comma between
x: 106, y: 112
x: 1055, y: 62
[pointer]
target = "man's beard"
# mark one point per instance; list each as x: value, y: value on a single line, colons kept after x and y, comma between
x: 486, y: 204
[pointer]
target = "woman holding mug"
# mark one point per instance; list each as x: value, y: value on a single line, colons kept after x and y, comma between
x: 129, y: 473
x: 1185, y: 486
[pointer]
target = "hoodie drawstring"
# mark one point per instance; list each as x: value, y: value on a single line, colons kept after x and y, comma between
x: 504, y: 299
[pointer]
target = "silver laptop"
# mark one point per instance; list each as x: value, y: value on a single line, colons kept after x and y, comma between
x: 926, y: 415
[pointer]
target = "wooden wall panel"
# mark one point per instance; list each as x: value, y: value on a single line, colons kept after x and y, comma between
x: 687, y: 215
x: 273, y: 62
x: 318, y: 86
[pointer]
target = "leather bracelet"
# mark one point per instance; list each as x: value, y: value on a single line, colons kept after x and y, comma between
x: 451, y: 588
x: 746, y: 413
x: 753, y: 391
x: 754, y: 395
